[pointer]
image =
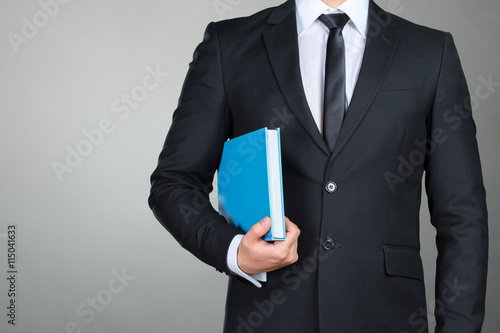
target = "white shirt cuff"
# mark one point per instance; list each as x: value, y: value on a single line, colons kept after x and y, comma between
x: 232, y: 263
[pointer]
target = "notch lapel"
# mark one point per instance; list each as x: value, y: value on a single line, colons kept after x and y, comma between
x: 380, y: 48
x: 283, y: 51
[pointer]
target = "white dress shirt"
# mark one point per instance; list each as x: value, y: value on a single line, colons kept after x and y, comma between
x: 312, y: 39
x: 313, y: 36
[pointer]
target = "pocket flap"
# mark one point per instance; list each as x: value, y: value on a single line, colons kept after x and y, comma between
x: 403, y: 83
x: 403, y: 262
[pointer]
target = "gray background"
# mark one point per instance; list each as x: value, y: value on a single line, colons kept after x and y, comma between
x: 77, y: 231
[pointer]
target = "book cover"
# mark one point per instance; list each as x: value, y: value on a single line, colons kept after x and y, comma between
x: 249, y: 182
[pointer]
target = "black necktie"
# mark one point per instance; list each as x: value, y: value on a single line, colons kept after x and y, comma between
x: 334, y: 99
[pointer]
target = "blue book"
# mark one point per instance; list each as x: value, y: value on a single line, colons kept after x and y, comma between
x: 249, y: 182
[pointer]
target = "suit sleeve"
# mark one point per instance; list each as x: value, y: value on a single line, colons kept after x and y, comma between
x: 457, y: 202
x: 191, y: 154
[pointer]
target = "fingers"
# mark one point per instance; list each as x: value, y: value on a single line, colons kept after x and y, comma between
x: 256, y: 255
x: 259, y: 229
x: 290, y: 245
x: 292, y: 230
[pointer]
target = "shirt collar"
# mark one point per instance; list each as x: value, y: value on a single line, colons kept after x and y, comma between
x: 307, y: 11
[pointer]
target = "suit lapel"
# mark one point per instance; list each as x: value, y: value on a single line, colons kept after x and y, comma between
x: 282, y: 48
x: 380, y: 47
x: 283, y: 51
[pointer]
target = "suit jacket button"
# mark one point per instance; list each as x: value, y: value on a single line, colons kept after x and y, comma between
x: 331, y: 187
x: 328, y: 244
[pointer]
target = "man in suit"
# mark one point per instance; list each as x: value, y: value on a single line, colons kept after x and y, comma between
x: 355, y: 202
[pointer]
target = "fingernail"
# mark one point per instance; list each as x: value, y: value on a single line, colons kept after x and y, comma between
x: 265, y: 222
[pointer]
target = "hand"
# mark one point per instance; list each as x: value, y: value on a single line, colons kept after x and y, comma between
x: 257, y: 256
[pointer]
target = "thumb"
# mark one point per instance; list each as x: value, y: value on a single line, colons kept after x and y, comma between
x: 260, y: 228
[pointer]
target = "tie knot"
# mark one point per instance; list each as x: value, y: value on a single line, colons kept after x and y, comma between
x: 334, y: 20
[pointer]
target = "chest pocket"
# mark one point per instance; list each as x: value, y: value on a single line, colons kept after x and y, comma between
x: 403, y: 83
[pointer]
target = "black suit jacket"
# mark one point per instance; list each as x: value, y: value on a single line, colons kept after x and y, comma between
x: 409, y: 115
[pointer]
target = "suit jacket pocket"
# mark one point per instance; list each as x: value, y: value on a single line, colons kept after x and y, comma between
x: 403, y: 83
x: 403, y: 262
